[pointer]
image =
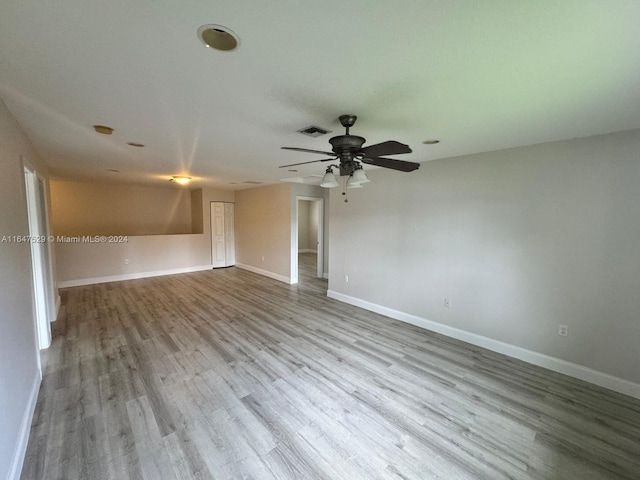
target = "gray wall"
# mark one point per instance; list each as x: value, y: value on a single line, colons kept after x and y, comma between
x: 308, y: 225
x: 303, y: 225
x: 266, y: 224
x: 263, y: 229
x: 19, y: 374
x: 80, y: 263
x: 520, y: 240
x: 89, y: 208
x: 314, y: 210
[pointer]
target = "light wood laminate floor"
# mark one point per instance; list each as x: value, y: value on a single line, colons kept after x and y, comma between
x: 226, y: 374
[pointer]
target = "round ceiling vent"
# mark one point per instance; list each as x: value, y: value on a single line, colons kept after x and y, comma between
x: 218, y: 37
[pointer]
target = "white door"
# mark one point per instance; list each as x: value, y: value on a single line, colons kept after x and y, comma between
x: 222, y: 235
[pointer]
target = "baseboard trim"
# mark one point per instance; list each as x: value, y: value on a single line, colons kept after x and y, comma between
x: 307, y: 250
x: 265, y: 273
x: 25, y: 428
x: 596, y: 377
x: 131, y: 276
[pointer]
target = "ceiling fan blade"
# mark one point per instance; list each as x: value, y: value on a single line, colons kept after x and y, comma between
x: 385, y: 148
x: 304, y: 163
x: 401, y: 165
x: 296, y: 149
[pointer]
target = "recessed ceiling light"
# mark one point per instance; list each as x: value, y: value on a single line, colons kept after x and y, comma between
x: 133, y: 144
x: 103, y: 129
x: 431, y: 142
x: 218, y: 37
x: 180, y: 179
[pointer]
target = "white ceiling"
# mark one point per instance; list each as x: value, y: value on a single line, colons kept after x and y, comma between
x: 479, y: 76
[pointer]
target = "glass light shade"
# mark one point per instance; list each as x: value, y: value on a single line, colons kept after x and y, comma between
x: 329, y: 180
x: 352, y: 184
x: 359, y: 177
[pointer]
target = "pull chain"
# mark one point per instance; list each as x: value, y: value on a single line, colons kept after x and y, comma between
x: 344, y: 180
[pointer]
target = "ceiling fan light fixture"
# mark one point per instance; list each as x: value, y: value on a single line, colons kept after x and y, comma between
x: 358, y: 177
x: 218, y: 37
x: 329, y: 180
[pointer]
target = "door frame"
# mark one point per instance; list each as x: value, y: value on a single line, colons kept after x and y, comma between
x: 294, y: 239
x: 41, y: 265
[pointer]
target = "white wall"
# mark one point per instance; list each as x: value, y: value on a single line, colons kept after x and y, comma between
x: 19, y: 374
x: 520, y: 240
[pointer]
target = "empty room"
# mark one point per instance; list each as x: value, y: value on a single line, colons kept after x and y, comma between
x: 320, y: 240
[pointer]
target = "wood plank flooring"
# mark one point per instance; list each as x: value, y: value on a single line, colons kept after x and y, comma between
x: 226, y: 374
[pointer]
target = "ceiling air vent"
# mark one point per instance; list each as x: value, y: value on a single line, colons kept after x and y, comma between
x: 314, y: 131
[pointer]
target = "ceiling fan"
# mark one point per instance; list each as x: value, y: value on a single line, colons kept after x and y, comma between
x: 350, y: 153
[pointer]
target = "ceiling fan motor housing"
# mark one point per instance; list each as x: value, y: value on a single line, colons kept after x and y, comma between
x: 346, y: 144
x: 345, y: 147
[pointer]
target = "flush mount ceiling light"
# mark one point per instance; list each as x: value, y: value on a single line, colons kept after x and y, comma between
x: 218, y: 37
x: 180, y: 179
x: 104, y: 130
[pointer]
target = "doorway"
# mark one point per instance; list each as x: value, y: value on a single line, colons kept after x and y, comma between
x: 223, y: 252
x: 42, y: 272
x: 308, y: 247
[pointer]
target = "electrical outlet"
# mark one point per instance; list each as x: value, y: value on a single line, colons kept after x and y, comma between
x: 447, y: 303
x: 563, y: 330
x: 126, y: 261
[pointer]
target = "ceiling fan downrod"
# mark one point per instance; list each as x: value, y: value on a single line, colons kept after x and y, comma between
x: 348, y: 121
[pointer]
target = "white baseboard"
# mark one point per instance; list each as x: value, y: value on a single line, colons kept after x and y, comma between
x: 131, y: 276
x: 596, y: 377
x: 25, y: 428
x: 307, y: 250
x: 266, y: 273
